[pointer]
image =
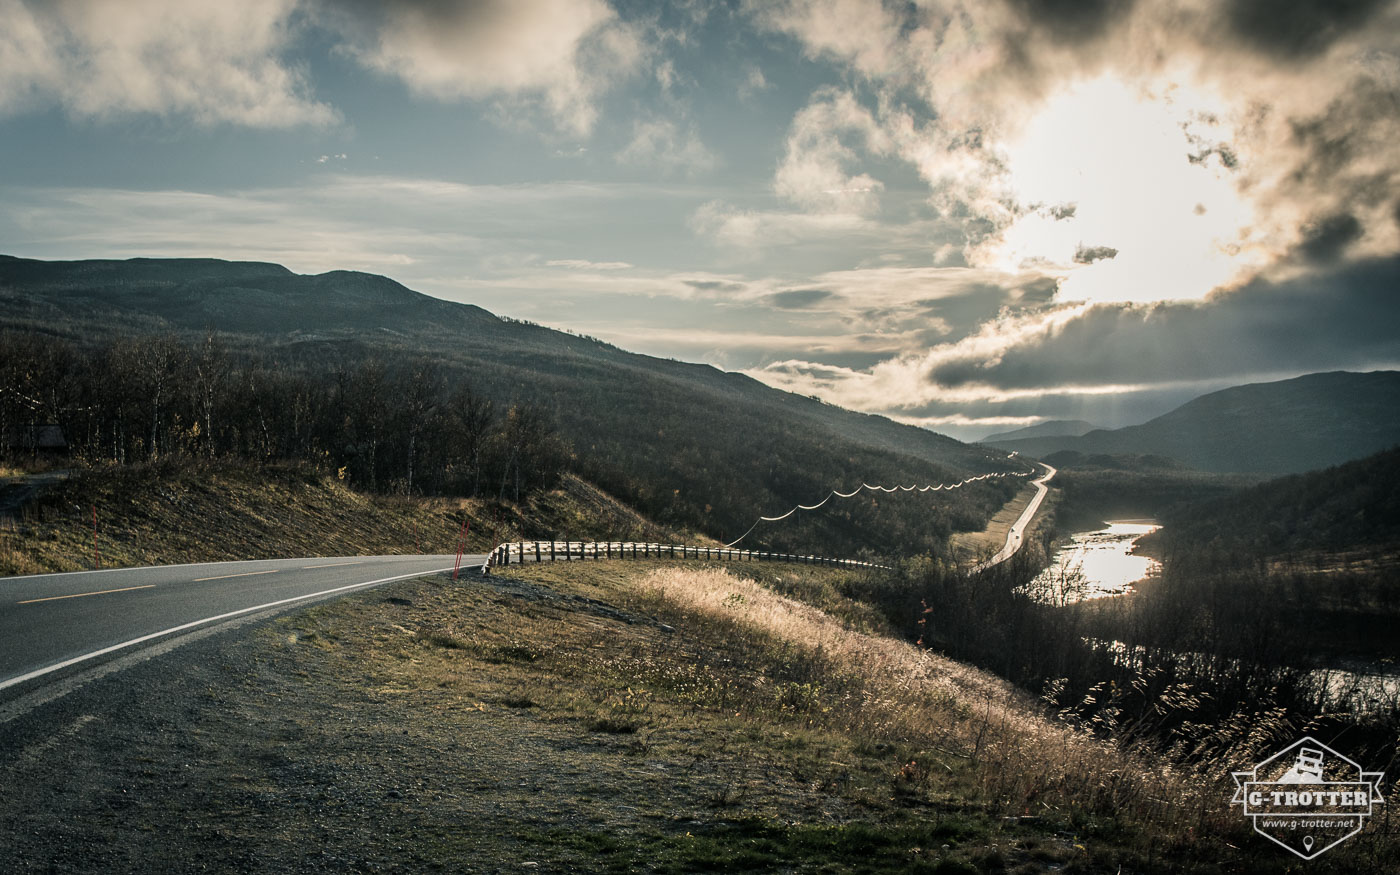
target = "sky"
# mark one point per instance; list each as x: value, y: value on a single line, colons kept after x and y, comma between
x: 972, y: 216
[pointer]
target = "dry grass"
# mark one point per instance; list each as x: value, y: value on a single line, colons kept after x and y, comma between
x: 894, y: 691
x: 172, y: 514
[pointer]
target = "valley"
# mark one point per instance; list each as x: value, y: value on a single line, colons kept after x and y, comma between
x: 264, y: 442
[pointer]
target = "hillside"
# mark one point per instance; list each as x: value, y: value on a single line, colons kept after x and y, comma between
x: 687, y: 444
x: 1285, y: 427
x: 1351, y: 507
x: 1052, y: 428
x: 165, y: 514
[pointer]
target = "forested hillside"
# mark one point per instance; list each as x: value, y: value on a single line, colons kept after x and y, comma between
x: 413, y: 394
x: 1355, y: 506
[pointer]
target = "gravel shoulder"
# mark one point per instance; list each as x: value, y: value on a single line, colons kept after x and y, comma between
x: 422, y: 726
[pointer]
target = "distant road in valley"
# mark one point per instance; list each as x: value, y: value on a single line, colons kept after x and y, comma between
x: 51, y: 622
x: 1016, y: 537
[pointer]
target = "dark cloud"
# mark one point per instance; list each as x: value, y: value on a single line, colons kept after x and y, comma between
x: 714, y: 286
x: 978, y: 302
x: 1091, y: 254
x: 799, y: 299
x: 1325, y: 239
x: 1072, y: 21
x: 1298, y: 28
x: 1339, y: 318
x: 1063, y: 211
x: 1354, y: 126
x: 1224, y: 151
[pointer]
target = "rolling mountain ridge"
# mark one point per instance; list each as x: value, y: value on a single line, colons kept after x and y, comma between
x: 1284, y: 427
x: 685, y: 443
x: 1051, y: 428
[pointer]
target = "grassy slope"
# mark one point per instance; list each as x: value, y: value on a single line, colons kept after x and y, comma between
x: 641, y: 717
x: 173, y: 514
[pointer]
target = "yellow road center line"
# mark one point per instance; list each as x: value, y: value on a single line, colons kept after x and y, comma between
x: 78, y: 595
x: 227, y: 576
x: 333, y: 565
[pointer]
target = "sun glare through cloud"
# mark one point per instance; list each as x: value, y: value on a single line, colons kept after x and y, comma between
x: 1112, y: 196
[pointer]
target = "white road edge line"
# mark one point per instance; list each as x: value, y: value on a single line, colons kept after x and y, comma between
x: 187, y: 565
x: 79, y: 595
x: 104, y: 651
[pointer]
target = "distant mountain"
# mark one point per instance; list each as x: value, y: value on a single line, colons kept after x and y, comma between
x: 688, y: 444
x: 1052, y: 428
x: 1066, y: 460
x: 1285, y: 427
x: 248, y: 297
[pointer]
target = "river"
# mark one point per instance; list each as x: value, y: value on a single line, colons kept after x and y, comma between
x: 1095, y: 564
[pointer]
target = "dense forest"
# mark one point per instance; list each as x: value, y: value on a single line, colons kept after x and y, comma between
x: 388, y: 428
x: 393, y: 423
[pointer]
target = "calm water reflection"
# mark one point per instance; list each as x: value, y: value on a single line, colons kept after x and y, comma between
x: 1096, y: 564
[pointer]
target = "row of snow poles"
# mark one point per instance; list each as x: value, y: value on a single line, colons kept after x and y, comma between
x: 566, y: 551
x: 461, y: 547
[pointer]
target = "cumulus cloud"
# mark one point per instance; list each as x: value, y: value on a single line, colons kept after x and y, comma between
x: 814, y: 172
x: 1346, y: 317
x: 564, y: 53
x: 1294, y: 107
x: 229, y: 63
x: 661, y: 144
x: 214, y: 63
x: 1130, y: 356
x: 750, y: 231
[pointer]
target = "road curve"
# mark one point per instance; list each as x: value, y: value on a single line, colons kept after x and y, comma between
x: 1015, y: 538
x: 49, y: 622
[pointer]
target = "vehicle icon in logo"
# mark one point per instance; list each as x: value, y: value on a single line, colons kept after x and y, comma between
x: 1307, y: 797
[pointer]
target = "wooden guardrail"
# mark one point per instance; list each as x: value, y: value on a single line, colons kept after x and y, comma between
x: 517, y: 552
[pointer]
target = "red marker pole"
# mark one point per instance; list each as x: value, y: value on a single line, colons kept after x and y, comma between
x: 461, y: 546
x: 96, y: 557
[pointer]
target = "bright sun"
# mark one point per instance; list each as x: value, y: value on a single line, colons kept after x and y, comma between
x: 1120, y: 157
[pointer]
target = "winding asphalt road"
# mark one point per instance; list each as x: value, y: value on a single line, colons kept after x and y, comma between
x: 53, y: 622
x: 50, y: 622
x: 1016, y: 537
